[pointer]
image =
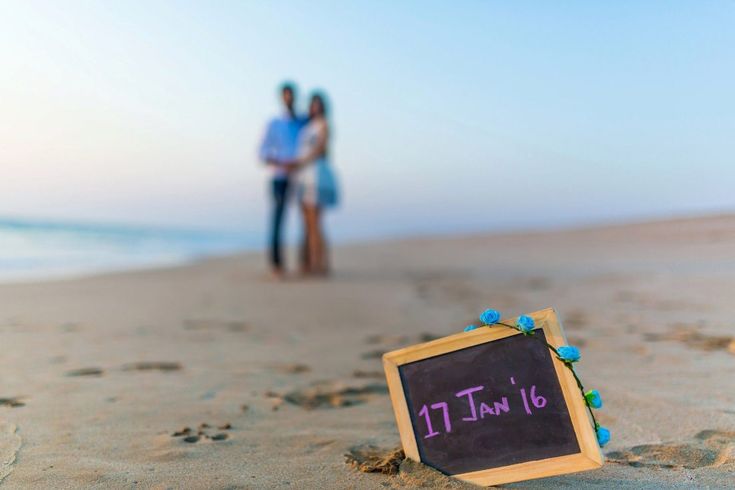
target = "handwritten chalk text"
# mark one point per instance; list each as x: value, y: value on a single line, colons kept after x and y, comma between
x: 477, y: 406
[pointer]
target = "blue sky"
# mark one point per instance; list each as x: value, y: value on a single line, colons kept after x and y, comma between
x: 451, y: 116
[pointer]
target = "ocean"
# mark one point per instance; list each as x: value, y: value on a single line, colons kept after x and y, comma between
x: 33, y: 250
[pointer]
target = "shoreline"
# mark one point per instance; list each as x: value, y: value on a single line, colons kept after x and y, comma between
x: 698, y: 220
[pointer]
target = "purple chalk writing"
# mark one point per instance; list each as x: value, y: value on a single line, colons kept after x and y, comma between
x: 484, y: 404
x: 468, y: 393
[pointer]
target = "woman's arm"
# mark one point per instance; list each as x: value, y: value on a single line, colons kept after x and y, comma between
x: 319, y: 148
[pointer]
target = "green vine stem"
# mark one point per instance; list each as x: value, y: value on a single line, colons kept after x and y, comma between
x: 567, y: 364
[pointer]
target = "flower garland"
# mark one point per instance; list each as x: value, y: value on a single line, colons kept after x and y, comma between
x: 568, y: 354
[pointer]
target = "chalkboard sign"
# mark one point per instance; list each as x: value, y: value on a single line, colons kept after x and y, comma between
x: 491, y: 405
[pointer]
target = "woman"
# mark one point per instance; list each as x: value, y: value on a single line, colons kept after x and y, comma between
x: 316, y: 185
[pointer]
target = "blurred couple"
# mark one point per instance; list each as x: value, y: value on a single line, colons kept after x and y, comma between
x: 296, y: 148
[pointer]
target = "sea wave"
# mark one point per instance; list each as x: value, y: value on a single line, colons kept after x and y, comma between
x: 48, y: 249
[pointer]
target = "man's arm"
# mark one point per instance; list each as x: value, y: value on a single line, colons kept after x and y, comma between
x: 268, y: 145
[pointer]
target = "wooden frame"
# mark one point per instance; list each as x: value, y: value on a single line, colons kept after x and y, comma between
x: 589, y: 457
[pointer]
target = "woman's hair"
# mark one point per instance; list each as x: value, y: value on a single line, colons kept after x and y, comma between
x: 322, y: 99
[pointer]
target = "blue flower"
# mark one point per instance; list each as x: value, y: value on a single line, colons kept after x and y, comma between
x: 490, y: 317
x: 469, y: 327
x: 525, y: 324
x: 593, y: 398
x: 603, y: 435
x: 568, y: 353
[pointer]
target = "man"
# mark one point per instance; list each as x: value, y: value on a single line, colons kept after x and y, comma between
x: 280, y: 146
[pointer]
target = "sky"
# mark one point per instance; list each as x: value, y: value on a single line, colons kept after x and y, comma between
x: 447, y: 116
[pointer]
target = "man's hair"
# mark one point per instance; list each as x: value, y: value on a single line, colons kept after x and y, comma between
x: 288, y: 86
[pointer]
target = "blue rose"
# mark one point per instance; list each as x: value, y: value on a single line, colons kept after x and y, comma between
x: 490, y: 317
x: 568, y: 353
x: 603, y: 435
x: 593, y: 398
x: 525, y: 324
x: 469, y: 327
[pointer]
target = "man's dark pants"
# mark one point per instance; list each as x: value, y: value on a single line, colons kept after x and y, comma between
x: 280, y: 188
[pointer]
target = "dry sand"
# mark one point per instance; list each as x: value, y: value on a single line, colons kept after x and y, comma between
x: 101, y: 377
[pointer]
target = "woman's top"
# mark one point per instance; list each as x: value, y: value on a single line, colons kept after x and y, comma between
x: 310, y: 136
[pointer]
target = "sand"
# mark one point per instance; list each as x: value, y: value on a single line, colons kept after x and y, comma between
x: 209, y: 376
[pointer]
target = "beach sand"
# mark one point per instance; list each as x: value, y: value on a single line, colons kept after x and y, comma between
x: 276, y: 382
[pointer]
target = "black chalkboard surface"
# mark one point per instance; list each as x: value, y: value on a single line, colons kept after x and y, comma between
x: 491, y: 405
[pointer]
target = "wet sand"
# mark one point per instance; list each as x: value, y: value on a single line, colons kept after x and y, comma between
x: 209, y: 376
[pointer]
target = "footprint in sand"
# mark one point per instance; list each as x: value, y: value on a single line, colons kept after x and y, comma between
x: 152, y: 366
x: 711, y: 448
x: 203, y: 432
x: 12, y: 402
x: 330, y: 394
x: 10, y: 443
x: 88, y: 371
x: 694, y: 338
x: 721, y: 441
